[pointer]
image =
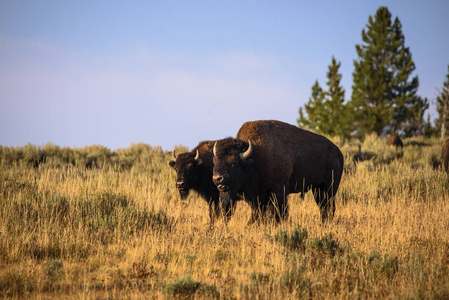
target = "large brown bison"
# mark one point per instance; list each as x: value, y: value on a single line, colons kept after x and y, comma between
x: 445, y: 155
x: 395, y: 140
x: 194, y: 171
x: 269, y: 160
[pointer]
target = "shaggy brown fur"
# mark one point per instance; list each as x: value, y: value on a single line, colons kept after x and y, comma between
x: 285, y: 159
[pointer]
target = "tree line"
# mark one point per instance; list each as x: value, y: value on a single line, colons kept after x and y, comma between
x: 384, y: 96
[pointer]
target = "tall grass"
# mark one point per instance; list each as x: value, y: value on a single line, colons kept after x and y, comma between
x: 92, y: 223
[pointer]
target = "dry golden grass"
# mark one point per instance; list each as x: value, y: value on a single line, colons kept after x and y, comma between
x: 71, y: 232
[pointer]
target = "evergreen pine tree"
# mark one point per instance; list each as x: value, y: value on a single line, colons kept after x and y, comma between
x: 326, y: 112
x: 383, y: 97
x: 338, y: 115
x: 428, y: 129
x: 414, y: 123
x: 442, y: 122
x: 314, y: 109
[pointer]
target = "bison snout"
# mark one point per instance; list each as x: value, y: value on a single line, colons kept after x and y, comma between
x: 217, y: 179
x: 181, y: 185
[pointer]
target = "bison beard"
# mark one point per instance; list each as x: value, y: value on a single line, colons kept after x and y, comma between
x: 194, y: 171
x: 277, y: 160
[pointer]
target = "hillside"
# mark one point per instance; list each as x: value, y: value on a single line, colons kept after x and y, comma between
x: 96, y: 223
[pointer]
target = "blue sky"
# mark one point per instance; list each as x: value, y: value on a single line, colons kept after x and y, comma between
x: 166, y: 73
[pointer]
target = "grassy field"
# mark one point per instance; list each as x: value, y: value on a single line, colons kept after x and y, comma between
x: 89, y: 223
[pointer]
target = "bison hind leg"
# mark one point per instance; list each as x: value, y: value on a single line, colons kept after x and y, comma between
x: 326, y: 204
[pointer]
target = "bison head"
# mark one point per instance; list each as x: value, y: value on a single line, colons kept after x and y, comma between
x: 232, y: 158
x: 186, y: 167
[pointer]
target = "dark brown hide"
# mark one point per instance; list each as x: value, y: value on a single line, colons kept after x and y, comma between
x: 285, y: 159
x: 445, y: 155
x: 196, y: 174
x: 395, y: 140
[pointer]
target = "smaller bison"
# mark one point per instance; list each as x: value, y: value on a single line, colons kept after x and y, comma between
x: 194, y: 171
x: 445, y: 155
x: 395, y: 140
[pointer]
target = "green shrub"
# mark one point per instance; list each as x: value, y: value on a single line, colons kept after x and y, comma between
x: 14, y: 285
x: 187, y: 287
x: 54, y: 269
x: 386, y: 265
x: 294, y: 241
x: 295, y: 278
x: 326, y: 245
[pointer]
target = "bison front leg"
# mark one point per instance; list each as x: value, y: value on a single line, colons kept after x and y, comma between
x: 214, y: 211
x: 258, y: 211
x: 225, y: 205
x: 279, y: 204
x: 261, y: 209
x: 256, y: 215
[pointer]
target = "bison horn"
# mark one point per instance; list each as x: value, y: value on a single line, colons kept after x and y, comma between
x: 248, y: 152
x: 197, y: 155
x: 174, y: 155
x: 215, y: 149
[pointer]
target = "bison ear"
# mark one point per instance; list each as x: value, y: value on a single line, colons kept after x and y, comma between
x: 172, y: 164
x: 199, y: 161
